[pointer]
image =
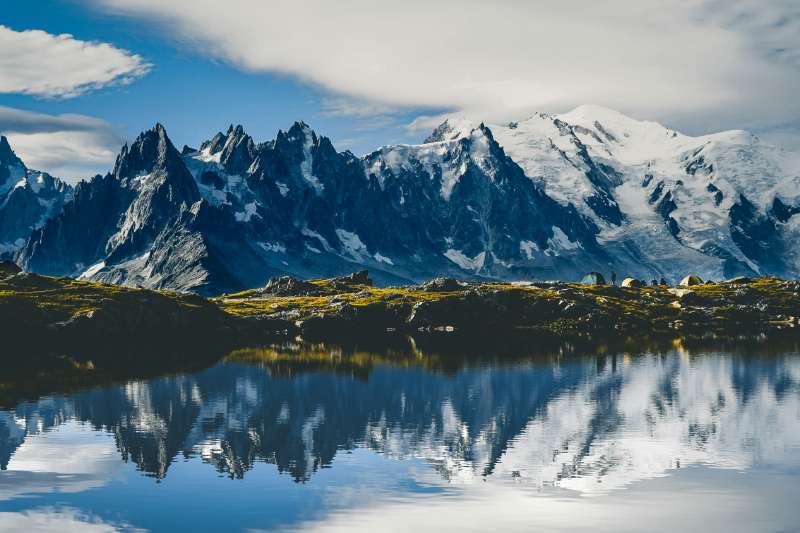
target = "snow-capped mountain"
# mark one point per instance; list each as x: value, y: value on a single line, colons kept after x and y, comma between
x: 547, y: 197
x: 27, y: 199
x: 719, y: 205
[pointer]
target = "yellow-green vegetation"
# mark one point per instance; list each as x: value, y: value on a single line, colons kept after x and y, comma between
x: 248, y: 304
x: 67, y: 316
x: 352, y: 306
x: 556, y: 307
x: 65, y: 298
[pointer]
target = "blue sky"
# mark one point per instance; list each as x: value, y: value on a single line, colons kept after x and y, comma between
x: 370, y: 73
x: 191, y: 95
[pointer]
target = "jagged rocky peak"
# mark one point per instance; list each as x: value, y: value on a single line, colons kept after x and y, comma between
x: 238, y: 152
x: 11, y: 167
x: 234, y: 150
x: 7, y: 155
x: 152, y: 150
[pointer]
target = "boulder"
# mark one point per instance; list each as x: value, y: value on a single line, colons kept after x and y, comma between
x: 442, y: 285
x: 289, y: 286
x: 632, y: 283
x: 355, y: 279
x: 690, y: 280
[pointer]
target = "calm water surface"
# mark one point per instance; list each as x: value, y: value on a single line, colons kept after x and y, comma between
x: 663, y: 442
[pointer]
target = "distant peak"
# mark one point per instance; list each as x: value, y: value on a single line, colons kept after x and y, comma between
x: 150, y: 149
x: 452, y: 128
x: 299, y: 127
x: 235, y: 131
x: 7, y: 155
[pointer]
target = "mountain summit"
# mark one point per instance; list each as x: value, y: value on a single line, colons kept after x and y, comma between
x: 552, y: 196
x: 28, y: 198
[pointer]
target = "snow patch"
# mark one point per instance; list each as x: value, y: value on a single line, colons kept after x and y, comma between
x: 275, y: 247
x: 352, y: 243
x: 307, y: 166
x: 92, y: 270
x: 250, y: 210
x: 466, y: 263
x: 383, y: 259
x: 559, y: 242
x: 528, y: 248
x: 314, y: 235
x: 282, y: 188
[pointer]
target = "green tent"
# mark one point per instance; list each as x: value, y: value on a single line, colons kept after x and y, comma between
x: 690, y: 280
x: 593, y: 278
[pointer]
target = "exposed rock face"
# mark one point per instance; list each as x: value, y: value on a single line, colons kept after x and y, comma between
x: 551, y: 197
x: 442, y: 285
x: 27, y: 199
x: 289, y: 286
x: 8, y: 268
x: 353, y: 280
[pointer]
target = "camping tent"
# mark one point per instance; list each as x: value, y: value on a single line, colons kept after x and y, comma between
x: 690, y: 280
x: 632, y: 283
x: 593, y: 278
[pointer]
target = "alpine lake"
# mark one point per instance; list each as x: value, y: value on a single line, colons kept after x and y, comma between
x: 435, y: 433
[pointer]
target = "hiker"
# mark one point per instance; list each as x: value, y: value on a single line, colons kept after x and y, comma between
x: 663, y: 282
x: 613, y: 278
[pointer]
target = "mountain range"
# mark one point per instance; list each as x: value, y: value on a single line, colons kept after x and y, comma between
x: 549, y: 197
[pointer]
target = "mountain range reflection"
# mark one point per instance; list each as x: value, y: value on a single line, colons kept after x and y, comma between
x: 583, y: 423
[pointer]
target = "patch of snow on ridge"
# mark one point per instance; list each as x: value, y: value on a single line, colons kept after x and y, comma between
x: 206, y: 156
x: 352, y: 243
x: 282, y: 188
x: 527, y: 248
x: 559, y: 242
x: 275, y: 247
x: 16, y: 173
x: 307, y: 166
x: 383, y: 259
x: 248, y: 213
x: 466, y: 263
x: 92, y: 270
x: 314, y: 235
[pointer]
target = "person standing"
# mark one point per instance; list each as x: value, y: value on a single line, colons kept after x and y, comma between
x: 613, y: 278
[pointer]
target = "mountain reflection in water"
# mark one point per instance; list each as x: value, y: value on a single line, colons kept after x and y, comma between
x: 588, y: 425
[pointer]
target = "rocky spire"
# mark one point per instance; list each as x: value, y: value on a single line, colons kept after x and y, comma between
x: 152, y: 150
x: 7, y: 155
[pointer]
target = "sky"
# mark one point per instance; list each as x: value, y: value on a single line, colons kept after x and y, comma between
x: 78, y: 78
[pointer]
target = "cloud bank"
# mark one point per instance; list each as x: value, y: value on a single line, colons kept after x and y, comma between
x: 698, y: 63
x: 68, y: 146
x: 37, y: 63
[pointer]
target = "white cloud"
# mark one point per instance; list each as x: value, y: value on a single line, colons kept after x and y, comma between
x: 349, y: 107
x: 37, y: 63
x: 54, y: 519
x: 695, y: 63
x: 68, y: 146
